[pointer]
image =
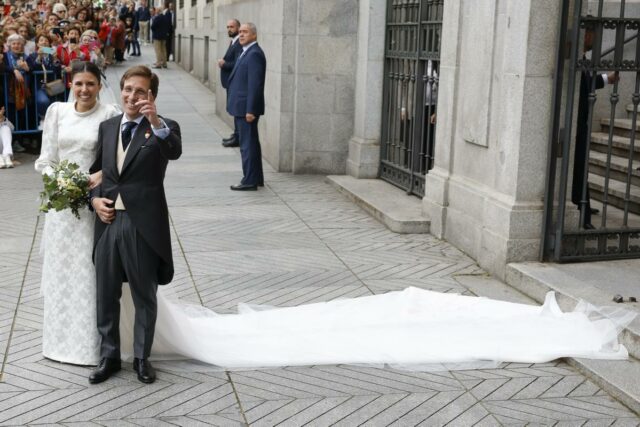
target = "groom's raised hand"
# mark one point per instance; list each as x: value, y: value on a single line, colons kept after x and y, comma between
x: 147, y: 107
x: 103, y: 208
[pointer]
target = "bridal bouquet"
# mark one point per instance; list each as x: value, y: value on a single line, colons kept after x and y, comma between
x: 66, y: 188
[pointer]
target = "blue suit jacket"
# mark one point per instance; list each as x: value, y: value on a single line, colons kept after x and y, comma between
x: 245, y: 93
x: 160, y: 27
x: 230, y: 57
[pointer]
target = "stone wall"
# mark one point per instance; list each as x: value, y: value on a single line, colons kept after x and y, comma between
x: 485, y: 194
x: 195, y: 48
x: 310, y: 85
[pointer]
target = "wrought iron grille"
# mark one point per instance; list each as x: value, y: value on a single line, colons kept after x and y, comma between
x: 592, y: 203
x: 412, y: 64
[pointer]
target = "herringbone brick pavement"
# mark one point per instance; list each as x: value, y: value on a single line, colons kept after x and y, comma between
x: 294, y: 242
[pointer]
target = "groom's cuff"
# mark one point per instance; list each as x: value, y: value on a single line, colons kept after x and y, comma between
x: 161, y: 132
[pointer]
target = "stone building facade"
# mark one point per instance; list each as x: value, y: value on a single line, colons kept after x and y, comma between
x: 324, y: 92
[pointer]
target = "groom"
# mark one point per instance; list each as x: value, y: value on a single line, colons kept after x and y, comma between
x: 132, y: 241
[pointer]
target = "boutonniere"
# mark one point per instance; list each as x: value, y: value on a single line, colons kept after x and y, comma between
x: 147, y: 134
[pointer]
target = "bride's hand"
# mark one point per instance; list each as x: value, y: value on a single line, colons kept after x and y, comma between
x: 95, y: 179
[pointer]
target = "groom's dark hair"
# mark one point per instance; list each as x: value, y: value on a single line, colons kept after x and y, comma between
x: 142, y: 71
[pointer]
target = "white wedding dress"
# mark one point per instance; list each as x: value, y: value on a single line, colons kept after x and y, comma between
x: 68, y: 277
x: 413, y: 328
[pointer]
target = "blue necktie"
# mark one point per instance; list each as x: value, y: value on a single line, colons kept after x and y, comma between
x: 126, y: 134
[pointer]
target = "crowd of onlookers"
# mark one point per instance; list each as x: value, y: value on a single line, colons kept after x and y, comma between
x: 41, y: 39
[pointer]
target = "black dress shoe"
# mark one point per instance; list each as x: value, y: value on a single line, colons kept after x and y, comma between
x: 104, y: 370
x: 229, y: 138
x: 244, y: 187
x: 232, y: 143
x: 145, y: 371
x: 589, y: 226
x: 594, y: 211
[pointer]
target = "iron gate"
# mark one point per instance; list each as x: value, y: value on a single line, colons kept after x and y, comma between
x: 412, y: 62
x: 596, y: 97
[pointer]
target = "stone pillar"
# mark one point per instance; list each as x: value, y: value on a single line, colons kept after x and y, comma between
x: 436, y: 199
x: 485, y: 194
x: 364, y: 146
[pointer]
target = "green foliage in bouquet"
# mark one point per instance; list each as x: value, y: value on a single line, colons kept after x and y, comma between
x: 66, y: 188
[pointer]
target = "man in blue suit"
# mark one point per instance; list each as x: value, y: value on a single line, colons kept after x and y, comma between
x: 245, y: 102
x: 226, y: 65
x: 160, y: 28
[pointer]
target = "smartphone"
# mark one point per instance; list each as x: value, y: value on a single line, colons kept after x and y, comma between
x: 48, y: 50
x: 57, y: 31
x: 93, y: 45
x: 73, y: 40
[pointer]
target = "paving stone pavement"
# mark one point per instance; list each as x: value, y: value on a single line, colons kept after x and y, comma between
x: 295, y: 241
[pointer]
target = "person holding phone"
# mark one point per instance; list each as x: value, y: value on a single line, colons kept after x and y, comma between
x: 90, y: 46
x: 44, y: 59
x: 70, y: 50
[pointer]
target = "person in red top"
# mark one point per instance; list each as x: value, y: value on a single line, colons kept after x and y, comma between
x: 109, y: 36
x: 71, y: 49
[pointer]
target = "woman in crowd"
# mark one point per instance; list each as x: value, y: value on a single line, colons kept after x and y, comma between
x: 18, y: 78
x: 60, y: 10
x: 90, y: 46
x: 44, y: 59
x: 81, y: 16
x: 30, y: 44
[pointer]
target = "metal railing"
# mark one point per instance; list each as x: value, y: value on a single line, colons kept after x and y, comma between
x: 26, y: 120
x: 598, y: 167
x: 412, y: 62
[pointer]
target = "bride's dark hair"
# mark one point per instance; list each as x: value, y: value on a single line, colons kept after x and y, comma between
x: 85, y: 67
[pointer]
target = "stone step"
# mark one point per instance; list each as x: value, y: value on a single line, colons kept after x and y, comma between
x: 621, y: 127
x: 630, y: 109
x: 616, y: 193
x: 596, y: 283
x: 620, y: 145
x: 395, y: 209
x: 617, y: 170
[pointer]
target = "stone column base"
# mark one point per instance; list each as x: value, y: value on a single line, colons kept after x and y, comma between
x: 364, y: 158
x: 489, y: 227
x: 435, y: 201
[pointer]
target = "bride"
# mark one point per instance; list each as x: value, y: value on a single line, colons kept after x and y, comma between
x: 411, y: 328
x: 68, y: 278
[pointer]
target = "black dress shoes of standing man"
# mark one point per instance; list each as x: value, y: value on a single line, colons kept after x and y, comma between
x: 245, y: 102
x: 226, y: 65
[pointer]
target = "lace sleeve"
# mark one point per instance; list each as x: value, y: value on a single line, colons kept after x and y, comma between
x: 49, y: 151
